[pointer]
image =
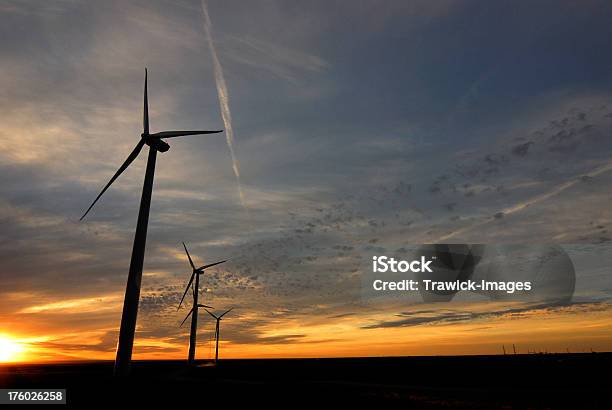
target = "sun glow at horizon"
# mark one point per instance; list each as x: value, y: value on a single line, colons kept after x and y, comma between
x: 11, y: 350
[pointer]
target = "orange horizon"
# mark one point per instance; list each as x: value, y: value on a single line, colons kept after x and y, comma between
x: 542, y: 330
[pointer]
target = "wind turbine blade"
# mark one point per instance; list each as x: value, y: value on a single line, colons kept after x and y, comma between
x: 145, y: 111
x: 210, y: 264
x: 189, y: 256
x: 226, y: 312
x: 204, y: 306
x: 186, y: 290
x: 174, y: 134
x: 212, y: 314
x: 122, y: 168
x: 188, y: 314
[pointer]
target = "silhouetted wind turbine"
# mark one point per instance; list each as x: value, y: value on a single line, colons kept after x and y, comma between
x: 132, y: 290
x: 218, y: 318
x: 194, y: 310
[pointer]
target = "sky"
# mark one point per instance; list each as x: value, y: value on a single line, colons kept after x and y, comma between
x: 357, y: 127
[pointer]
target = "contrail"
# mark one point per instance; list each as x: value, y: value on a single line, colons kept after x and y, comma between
x: 223, y: 100
x: 532, y: 201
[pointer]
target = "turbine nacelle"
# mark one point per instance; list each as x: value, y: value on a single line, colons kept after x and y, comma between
x: 220, y: 317
x: 158, y: 144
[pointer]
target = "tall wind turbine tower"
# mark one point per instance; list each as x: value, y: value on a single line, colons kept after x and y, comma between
x: 156, y: 143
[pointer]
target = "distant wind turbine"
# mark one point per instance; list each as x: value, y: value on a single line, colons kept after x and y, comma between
x: 218, y: 318
x: 132, y: 291
x: 194, y: 310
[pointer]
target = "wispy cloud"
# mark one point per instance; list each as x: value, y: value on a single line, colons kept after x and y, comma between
x: 442, y: 316
x: 283, y: 62
x: 79, y: 306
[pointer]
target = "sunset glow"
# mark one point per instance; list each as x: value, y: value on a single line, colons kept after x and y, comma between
x: 532, y: 330
x: 10, y: 349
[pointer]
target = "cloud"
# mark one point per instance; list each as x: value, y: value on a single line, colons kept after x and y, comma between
x: 106, y: 342
x: 79, y: 306
x: 451, y: 316
x: 282, y: 62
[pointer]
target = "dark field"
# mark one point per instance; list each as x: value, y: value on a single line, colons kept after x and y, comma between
x: 523, y: 381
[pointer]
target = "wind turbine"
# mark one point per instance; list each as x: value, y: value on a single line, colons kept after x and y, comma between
x: 132, y: 291
x: 218, y: 318
x: 194, y: 310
